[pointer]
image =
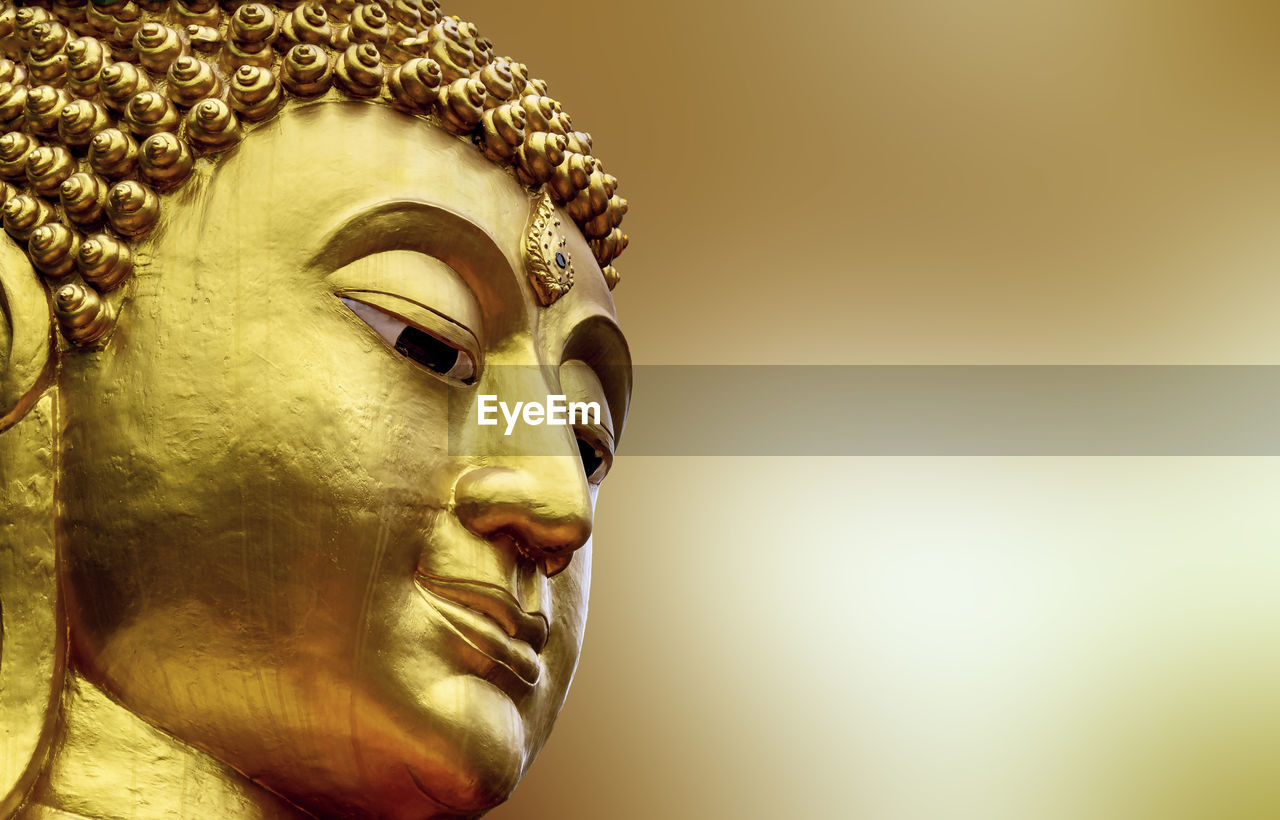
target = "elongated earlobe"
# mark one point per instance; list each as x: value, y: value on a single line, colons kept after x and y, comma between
x: 33, y: 653
x: 26, y: 334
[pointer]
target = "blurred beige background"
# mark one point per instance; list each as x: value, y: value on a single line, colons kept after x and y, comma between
x: 928, y: 182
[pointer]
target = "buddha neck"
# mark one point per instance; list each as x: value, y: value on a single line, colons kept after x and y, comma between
x: 109, y: 763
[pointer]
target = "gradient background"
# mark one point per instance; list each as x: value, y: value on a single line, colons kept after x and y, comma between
x: 986, y: 182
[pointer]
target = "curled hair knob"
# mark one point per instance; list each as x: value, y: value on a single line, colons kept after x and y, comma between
x: 150, y: 113
x: 447, y: 46
x: 340, y: 10
x: 600, y: 226
x: 253, y: 24
x: 132, y: 208
x: 86, y: 57
x: 25, y: 21
x: 198, y: 12
x: 104, y: 261
x: 409, y: 47
x: 99, y: 20
x: 538, y: 156
x: 15, y: 147
x: 414, y: 84
x: 128, y: 19
x: 462, y: 105
x: 593, y: 200
x: 83, y: 315
x: 369, y: 24
x: 165, y: 161
x: 252, y: 31
x: 308, y: 23
x: 359, y: 71
x: 538, y: 111
x: 610, y: 247
x: 83, y: 197
x: 11, y: 72
x: 255, y: 93
x: 113, y: 153
x: 500, y: 82
x: 23, y: 214
x: 52, y: 249
x: 504, y: 130
x: 579, y: 142
x: 190, y: 80
x: 307, y: 72
x: 212, y: 125
x: 47, y: 167
x: 45, y: 60
x: 13, y: 101
x: 204, y: 39
x: 47, y: 40
x: 119, y: 82
x: 158, y: 46
x: 571, y: 176
x: 409, y: 14
x: 80, y: 120
x: 43, y: 108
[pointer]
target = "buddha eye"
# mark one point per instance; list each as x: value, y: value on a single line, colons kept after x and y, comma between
x: 425, y: 347
x: 435, y: 354
x: 595, y: 459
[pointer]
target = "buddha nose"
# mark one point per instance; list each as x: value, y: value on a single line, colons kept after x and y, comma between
x: 543, y: 505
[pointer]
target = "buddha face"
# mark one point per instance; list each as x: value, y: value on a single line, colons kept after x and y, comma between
x: 276, y: 551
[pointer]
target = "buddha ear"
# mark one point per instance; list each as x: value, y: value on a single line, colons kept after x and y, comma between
x: 32, y: 643
x: 26, y: 334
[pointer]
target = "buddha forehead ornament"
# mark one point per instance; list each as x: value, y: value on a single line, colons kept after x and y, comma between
x: 108, y: 106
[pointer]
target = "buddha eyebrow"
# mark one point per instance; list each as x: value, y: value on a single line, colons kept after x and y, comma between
x: 414, y: 226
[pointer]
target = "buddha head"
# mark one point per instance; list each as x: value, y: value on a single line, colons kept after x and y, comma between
x: 260, y: 263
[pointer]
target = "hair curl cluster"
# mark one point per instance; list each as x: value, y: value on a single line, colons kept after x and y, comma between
x: 106, y: 105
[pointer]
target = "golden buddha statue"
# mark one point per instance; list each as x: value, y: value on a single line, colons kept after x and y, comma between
x: 256, y: 558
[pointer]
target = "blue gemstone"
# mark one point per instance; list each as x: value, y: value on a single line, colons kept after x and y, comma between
x: 561, y: 261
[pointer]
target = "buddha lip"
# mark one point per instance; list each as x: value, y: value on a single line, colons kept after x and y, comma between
x: 490, y: 620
